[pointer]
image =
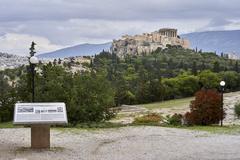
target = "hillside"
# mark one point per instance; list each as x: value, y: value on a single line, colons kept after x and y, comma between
x: 11, y: 61
x: 162, y: 75
x: 78, y: 50
x: 169, y: 107
x: 166, y: 74
x: 219, y: 41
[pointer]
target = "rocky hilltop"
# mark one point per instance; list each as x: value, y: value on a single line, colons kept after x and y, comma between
x: 147, y: 42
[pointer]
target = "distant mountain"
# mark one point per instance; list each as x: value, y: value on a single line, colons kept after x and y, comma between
x: 219, y: 41
x: 78, y: 50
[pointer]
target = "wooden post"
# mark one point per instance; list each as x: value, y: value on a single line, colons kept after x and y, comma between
x: 40, y: 136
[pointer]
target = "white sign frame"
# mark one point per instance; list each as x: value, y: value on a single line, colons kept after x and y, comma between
x: 34, y: 113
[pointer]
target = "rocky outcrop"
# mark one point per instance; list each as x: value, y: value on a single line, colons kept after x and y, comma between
x: 147, y: 42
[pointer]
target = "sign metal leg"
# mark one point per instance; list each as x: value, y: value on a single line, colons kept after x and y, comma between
x: 40, y: 136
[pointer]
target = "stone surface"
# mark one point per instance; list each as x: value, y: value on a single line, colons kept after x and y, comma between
x: 230, y: 99
x: 40, y: 136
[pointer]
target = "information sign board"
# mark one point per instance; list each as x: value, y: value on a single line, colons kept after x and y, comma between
x: 40, y: 113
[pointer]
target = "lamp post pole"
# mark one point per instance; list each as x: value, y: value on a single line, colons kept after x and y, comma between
x: 222, y: 84
x: 222, y: 106
x: 33, y: 61
x: 40, y: 133
x: 33, y: 84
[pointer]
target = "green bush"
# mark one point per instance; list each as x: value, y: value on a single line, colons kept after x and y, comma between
x: 89, y: 96
x: 237, y: 109
x: 175, y: 119
x: 152, y: 118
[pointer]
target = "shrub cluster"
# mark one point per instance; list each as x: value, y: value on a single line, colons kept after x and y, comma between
x: 152, y: 118
x: 175, y: 119
x: 88, y: 95
x: 237, y: 109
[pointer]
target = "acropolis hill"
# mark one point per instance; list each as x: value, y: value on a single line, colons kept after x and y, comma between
x: 147, y: 42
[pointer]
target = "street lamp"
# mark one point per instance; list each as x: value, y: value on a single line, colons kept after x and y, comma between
x: 33, y: 62
x: 40, y: 133
x: 222, y: 84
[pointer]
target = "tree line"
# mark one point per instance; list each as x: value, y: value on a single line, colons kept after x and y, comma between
x: 166, y: 74
x: 109, y: 81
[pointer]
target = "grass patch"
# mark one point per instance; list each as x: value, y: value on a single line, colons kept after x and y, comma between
x: 84, y: 126
x: 232, y: 130
x: 89, y: 127
x: 98, y: 125
x: 169, y: 103
x: 8, y: 125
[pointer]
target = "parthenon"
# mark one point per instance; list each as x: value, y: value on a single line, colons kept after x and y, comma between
x: 168, y: 32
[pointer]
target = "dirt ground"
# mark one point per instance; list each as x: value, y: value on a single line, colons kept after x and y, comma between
x: 128, y: 143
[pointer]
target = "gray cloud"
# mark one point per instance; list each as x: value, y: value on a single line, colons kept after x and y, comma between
x: 12, y: 10
x: 69, y: 22
x: 75, y: 31
x: 219, y: 22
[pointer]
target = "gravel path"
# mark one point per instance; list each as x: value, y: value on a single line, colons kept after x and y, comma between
x: 230, y: 99
x: 128, y: 143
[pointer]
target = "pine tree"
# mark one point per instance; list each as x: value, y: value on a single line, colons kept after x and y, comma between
x: 222, y: 55
x: 216, y: 66
x: 32, y: 49
x: 54, y: 62
x: 203, y: 66
x: 194, y: 68
x: 59, y: 61
x: 236, y: 67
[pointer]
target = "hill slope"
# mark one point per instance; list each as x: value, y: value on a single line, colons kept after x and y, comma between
x: 219, y: 41
x: 78, y: 50
x: 11, y: 61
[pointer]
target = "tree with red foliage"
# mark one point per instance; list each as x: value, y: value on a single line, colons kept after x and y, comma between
x: 206, y: 108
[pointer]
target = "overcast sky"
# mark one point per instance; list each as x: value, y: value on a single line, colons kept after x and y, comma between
x: 54, y: 24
